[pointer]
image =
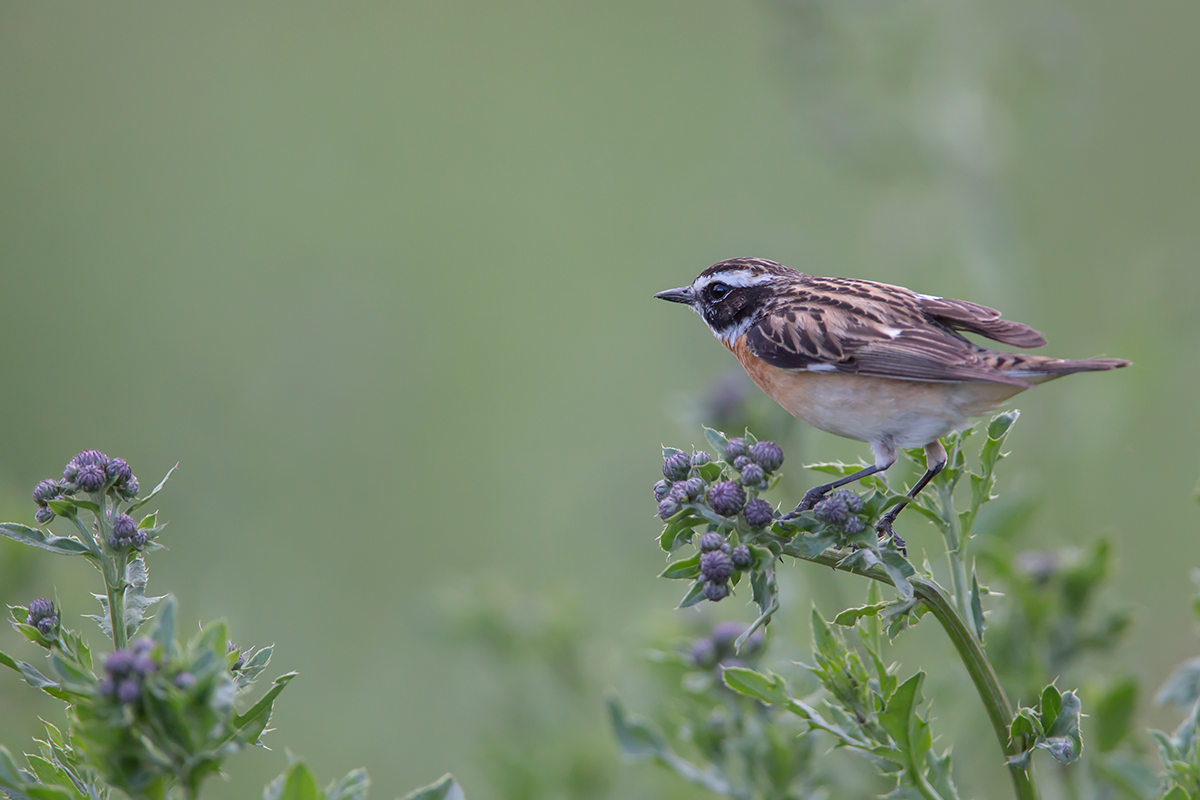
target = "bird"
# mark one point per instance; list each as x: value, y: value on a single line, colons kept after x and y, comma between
x: 869, y: 361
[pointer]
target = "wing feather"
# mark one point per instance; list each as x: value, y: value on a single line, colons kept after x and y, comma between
x: 964, y: 316
x: 905, y: 347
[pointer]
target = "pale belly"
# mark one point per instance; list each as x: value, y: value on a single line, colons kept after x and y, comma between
x: 879, y: 410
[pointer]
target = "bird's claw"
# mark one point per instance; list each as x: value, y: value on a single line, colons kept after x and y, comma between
x: 811, y: 498
x: 885, y: 532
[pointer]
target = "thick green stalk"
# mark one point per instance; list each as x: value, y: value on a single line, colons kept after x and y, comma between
x: 987, y: 684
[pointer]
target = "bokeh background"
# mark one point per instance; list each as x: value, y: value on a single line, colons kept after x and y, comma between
x: 379, y: 278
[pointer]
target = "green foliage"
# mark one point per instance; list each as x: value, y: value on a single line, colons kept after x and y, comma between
x: 727, y: 743
x: 868, y: 711
x: 1052, y: 726
x: 162, y: 714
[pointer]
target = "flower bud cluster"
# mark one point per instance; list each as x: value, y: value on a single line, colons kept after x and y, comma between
x: 719, y: 560
x: 754, y: 462
x: 90, y: 472
x: 717, y: 648
x: 125, y: 534
x: 681, y: 483
x: 43, y: 616
x: 729, y: 492
x: 841, y: 510
x: 127, y: 670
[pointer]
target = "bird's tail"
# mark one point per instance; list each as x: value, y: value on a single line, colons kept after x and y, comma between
x: 1040, y: 369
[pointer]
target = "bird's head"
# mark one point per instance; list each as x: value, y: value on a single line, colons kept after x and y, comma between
x: 731, y: 295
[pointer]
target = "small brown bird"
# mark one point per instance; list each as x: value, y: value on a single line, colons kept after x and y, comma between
x: 869, y: 361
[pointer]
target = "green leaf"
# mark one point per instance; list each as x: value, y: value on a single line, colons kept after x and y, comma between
x: 155, y: 491
x: 249, y: 726
x: 352, y: 787
x: 1063, y: 739
x: 770, y: 688
x: 678, y: 530
x: 136, y: 601
x: 69, y: 504
x: 1000, y: 425
x: 694, y: 595
x: 838, y: 468
x: 298, y: 784
x: 810, y: 546
x: 710, y: 471
x: 897, y: 717
x: 899, y: 569
x: 445, y: 788
x: 164, y: 629
x: 1176, y: 793
x: 939, y: 775
x: 11, y: 776
x: 716, y: 440
x: 1025, y: 723
x: 976, y: 607
x: 1114, y: 714
x: 34, y: 678
x: 36, y: 537
x: 71, y: 672
x: 824, y: 642
x: 1050, y: 705
x: 684, y: 568
x: 851, y: 616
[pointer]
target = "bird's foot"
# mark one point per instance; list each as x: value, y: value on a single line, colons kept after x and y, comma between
x: 884, y: 529
x: 811, y: 498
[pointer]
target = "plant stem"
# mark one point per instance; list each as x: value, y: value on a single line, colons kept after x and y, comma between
x: 114, y: 578
x: 954, y: 549
x: 987, y: 684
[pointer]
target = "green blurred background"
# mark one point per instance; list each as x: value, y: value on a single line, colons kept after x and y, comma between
x: 379, y: 277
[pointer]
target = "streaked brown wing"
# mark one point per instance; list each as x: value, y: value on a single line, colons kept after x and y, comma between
x: 964, y: 316
x: 896, y: 345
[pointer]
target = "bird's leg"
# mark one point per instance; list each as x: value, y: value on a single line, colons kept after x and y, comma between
x: 935, y: 461
x: 813, y: 495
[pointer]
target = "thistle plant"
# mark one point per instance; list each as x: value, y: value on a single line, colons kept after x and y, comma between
x: 711, y: 502
x: 154, y: 715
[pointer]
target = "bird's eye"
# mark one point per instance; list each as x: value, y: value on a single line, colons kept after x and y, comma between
x: 718, y: 291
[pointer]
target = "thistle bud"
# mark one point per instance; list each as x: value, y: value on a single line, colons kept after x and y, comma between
x: 753, y: 475
x: 668, y: 507
x: 46, y: 490
x: 726, y: 498
x: 693, y: 488
x: 758, y: 513
x: 676, y: 467
x: 716, y: 566
x: 767, y: 455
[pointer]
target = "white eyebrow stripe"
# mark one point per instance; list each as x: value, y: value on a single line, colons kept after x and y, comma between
x: 740, y: 278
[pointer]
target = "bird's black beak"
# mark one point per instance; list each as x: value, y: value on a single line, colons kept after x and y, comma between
x: 681, y: 295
